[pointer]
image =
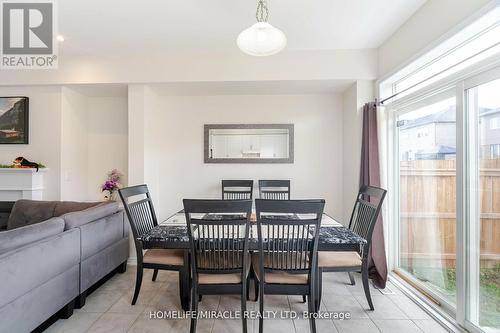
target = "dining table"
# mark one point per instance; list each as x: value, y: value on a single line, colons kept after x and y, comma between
x: 171, y: 233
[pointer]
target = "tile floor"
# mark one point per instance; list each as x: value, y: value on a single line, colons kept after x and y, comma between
x: 108, y: 309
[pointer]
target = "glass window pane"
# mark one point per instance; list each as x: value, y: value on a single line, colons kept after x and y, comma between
x: 474, y: 43
x: 484, y: 230
x: 427, y: 188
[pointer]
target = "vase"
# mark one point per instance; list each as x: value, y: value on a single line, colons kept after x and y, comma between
x: 111, y: 196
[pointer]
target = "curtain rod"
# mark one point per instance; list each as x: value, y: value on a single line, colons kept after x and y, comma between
x: 434, y: 75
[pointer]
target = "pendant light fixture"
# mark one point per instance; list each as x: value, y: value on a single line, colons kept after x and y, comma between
x: 261, y: 39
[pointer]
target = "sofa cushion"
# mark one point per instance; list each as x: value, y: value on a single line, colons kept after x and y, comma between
x: 77, y: 219
x: 27, y: 212
x: 27, y: 267
x: 26, y: 312
x: 99, y: 265
x: 12, y: 239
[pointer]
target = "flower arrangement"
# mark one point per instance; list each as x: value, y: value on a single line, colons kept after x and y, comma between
x: 112, y: 184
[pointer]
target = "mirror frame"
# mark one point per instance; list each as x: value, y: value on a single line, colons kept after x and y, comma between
x: 289, y: 127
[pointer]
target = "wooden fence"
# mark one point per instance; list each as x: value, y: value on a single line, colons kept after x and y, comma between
x: 428, y: 211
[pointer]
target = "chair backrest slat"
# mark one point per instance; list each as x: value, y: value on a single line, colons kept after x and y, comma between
x: 274, y: 189
x: 218, y: 232
x: 140, y: 213
x: 288, y: 234
x: 139, y: 209
x: 142, y: 216
x: 366, y: 211
x: 237, y: 189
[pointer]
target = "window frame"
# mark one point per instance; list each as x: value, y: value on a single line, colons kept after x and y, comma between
x: 414, y: 104
x: 472, y: 203
x: 484, y: 71
x: 434, y: 44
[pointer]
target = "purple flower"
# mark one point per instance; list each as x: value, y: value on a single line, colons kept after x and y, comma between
x: 109, y: 185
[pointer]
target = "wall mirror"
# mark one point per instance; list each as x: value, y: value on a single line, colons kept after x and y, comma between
x: 257, y: 143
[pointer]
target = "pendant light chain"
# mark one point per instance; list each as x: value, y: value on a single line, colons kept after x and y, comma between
x: 262, y: 13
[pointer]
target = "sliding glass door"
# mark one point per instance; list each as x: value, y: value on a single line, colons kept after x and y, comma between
x: 427, y: 202
x: 483, y: 227
x: 447, y: 186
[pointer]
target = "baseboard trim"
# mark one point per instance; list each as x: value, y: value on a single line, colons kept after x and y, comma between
x: 132, y: 261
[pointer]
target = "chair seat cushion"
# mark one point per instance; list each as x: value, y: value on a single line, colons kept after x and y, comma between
x: 278, y: 277
x: 233, y: 278
x: 339, y: 259
x: 230, y: 278
x: 173, y: 257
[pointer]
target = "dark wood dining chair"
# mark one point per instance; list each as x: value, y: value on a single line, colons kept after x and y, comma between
x: 288, y: 232
x: 363, y: 218
x: 141, y: 215
x: 218, y: 233
x: 237, y: 189
x: 274, y: 189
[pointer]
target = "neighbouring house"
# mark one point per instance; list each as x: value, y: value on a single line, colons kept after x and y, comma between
x: 433, y: 137
x: 9, y: 134
x: 489, y: 132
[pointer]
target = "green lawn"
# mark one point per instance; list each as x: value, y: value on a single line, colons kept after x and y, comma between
x: 445, y: 284
x: 490, y: 297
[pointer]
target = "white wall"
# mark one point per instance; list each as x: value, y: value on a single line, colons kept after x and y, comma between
x: 107, y: 139
x: 74, y: 152
x: 430, y: 22
x: 94, y: 139
x: 351, y: 151
x: 77, y: 133
x: 136, y: 108
x: 174, y: 146
x: 44, y: 134
x: 201, y: 67
x: 353, y: 100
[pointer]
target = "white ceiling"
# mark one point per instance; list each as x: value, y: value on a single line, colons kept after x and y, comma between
x: 116, y: 26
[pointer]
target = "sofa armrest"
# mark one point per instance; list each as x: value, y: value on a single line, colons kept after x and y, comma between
x: 32, y: 265
x: 78, y: 219
x: 12, y: 239
x: 98, y: 235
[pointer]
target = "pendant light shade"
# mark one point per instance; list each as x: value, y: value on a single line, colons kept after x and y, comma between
x: 261, y: 39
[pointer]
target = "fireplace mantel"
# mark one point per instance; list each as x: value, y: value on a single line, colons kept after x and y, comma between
x: 20, y: 183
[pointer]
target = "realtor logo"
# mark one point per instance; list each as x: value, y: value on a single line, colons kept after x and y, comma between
x: 28, y: 35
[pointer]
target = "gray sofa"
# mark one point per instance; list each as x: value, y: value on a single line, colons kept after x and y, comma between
x: 52, y: 253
